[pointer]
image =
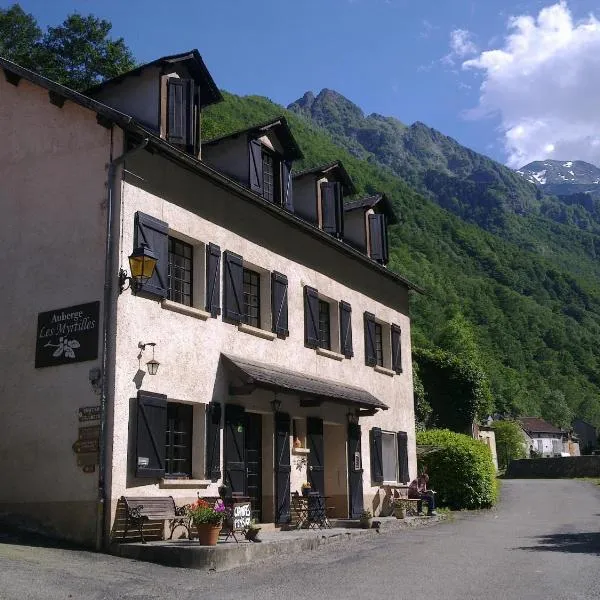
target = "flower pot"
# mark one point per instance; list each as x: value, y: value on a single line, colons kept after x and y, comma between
x: 366, y: 523
x: 400, y: 510
x: 252, y: 534
x: 208, y: 534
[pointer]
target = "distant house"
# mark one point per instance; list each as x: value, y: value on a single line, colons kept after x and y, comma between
x: 546, y: 439
x: 587, y: 434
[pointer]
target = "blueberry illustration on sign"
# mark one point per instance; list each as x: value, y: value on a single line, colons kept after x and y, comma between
x: 67, y: 335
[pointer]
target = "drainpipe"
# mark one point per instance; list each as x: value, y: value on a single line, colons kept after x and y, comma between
x: 110, y: 276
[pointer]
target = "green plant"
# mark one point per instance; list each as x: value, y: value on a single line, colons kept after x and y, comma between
x: 366, y: 514
x: 461, y: 471
x: 202, y: 512
x: 509, y: 442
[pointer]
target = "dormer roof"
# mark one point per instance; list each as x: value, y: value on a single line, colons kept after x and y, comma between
x: 209, y: 92
x: 279, y: 127
x: 380, y: 202
x: 335, y: 169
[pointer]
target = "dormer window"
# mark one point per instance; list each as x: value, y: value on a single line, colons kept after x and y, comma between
x: 182, y: 113
x: 271, y: 188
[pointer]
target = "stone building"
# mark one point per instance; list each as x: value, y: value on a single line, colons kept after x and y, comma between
x: 270, y: 346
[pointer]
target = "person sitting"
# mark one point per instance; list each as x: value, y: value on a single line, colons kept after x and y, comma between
x: 418, y: 489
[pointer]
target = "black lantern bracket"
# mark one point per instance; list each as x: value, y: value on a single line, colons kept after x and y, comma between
x: 152, y: 365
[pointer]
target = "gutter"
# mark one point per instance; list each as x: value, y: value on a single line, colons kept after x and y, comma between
x: 110, y: 277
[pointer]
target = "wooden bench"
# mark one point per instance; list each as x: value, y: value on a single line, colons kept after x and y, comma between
x: 147, y: 508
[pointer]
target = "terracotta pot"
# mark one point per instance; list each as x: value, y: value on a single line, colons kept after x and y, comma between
x: 400, y: 510
x: 366, y: 523
x: 208, y: 534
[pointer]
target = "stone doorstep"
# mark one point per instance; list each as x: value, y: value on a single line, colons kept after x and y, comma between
x: 228, y: 555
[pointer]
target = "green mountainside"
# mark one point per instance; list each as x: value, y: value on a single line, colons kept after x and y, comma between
x: 527, y: 284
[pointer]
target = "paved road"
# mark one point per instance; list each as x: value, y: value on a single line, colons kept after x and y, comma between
x: 542, y: 543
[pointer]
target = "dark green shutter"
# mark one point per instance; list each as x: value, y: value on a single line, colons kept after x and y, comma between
x: 279, y: 304
x: 402, y: 442
x: 180, y: 109
x: 378, y: 238
x: 355, y: 471
x: 235, y: 449
x: 370, y: 353
x: 255, y: 166
x: 151, y: 434
x: 233, y: 286
x: 376, y: 448
x: 346, y: 329
x: 213, y: 280
x: 311, y: 317
x: 332, y: 209
x: 282, y: 468
x: 155, y: 234
x: 212, y: 467
x: 316, y: 455
x: 396, y: 349
x: 286, y: 186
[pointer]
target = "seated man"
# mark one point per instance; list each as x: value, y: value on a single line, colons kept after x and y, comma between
x: 418, y: 489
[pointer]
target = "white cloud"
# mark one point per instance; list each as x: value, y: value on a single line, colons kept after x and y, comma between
x: 461, y: 43
x: 544, y: 85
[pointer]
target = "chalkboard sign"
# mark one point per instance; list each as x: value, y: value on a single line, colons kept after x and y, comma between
x: 242, y: 515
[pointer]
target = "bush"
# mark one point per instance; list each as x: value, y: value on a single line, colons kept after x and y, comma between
x: 509, y: 442
x: 461, y: 471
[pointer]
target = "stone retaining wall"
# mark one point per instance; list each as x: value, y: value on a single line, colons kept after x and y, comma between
x: 567, y: 466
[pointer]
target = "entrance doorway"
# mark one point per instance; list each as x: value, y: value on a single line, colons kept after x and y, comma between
x: 254, y: 463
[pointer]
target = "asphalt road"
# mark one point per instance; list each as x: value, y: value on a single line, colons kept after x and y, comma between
x: 542, y: 543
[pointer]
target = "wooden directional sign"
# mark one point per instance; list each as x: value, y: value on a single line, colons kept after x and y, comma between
x: 91, y: 432
x: 85, y: 446
x: 89, y: 413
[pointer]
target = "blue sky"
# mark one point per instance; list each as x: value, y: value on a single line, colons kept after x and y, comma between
x: 393, y: 57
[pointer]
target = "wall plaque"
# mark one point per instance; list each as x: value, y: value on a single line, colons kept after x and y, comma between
x: 88, y: 413
x: 67, y: 335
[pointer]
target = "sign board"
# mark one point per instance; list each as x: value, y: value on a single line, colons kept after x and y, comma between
x: 85, y: 446
x: 88, y: 413
x: 67, y: 335
x: 242, y: 515
x: 88, y: 459
x: 91, y: 432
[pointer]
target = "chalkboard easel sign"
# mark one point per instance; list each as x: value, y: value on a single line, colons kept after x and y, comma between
x: 242, y: 515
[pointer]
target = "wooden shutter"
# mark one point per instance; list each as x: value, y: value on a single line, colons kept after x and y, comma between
x: 346, y: 329
x: 154, y: 233
x: 355, y: 471
x: 286, y: 186
x: 396, y: 349
x: 376, y: 455
x: 279, y: 304
x: 378, y: 238
x: 311, y: 317
x: 402, y: 442
x: 370, y: 353
x: 256, y: 168
x: 332, y: 209
x: 282, y: 468
x: 212, y: 467
x: 233, y: 286
x: 234, y: 449
x: 213, y: 280
x: 180, y: 110
x: 151, y: 434
x: 316, y: 455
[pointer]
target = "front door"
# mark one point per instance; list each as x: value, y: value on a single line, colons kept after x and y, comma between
x: 282, y: 468
x: 254, y: 463
x: 355, y: 471
x: 316, y: 459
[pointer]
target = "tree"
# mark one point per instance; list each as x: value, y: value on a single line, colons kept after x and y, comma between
x: 78, y: 53
x: 20, y: 37
x: 556, y: 410
x: 509, y: 442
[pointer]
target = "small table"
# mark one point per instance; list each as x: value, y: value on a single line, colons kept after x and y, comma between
x: 311, y: 510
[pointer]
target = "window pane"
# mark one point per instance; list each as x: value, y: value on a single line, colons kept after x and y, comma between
x: 324, y: 325
x: 178, y: 451
x: 390, y: 457
x: 378, y: 345
x: 251, y: 314
x: 180, y: 272
x: 268, y: 177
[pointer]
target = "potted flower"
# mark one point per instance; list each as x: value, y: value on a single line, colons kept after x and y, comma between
x: 251, y: 531
x: 399, y: 508
x: 366, y: 519
x: 208, y: 519
x: 306, y: 487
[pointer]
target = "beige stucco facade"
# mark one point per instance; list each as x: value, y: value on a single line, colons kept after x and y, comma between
x: 53, y: 251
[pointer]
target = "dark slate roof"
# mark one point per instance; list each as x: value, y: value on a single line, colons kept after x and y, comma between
x: 283, y: 380
x: 337, y: 168
x: 537, y: 425
x: 279, y: 126
x: 381, y: 201
x: 209, y: 92
x: 107, y: 115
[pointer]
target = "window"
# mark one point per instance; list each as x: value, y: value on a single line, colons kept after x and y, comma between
x: 389, y: 454
x: 180, y: 272
x: 251, y: 308
x: 178, y: 452
x: 324, y: 325
x: 378, y: 344
x: 270, y: 178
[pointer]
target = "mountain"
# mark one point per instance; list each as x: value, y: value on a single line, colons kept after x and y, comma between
x: 563, y: 177
x: 528, y: 284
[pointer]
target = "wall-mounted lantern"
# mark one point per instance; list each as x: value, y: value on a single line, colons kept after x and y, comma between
x: 152, y: 365
x: 142, y: 262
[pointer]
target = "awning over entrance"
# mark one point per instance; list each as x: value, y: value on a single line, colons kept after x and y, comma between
x: 259, y: 375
